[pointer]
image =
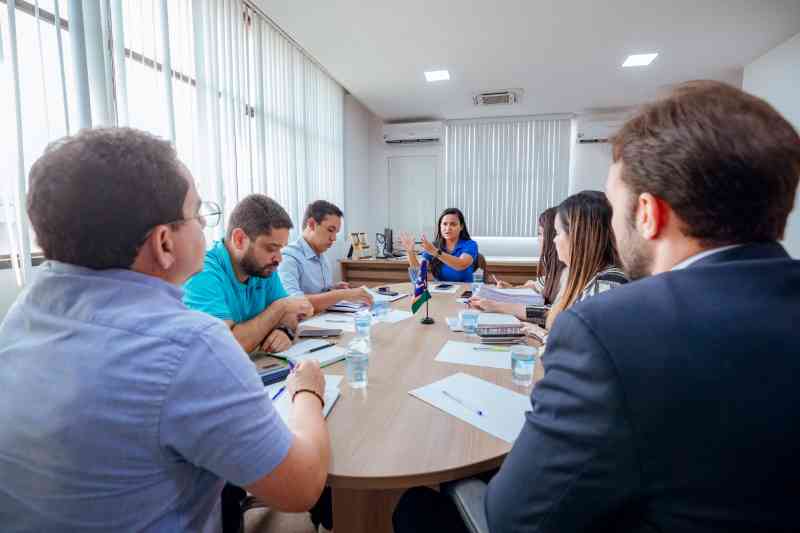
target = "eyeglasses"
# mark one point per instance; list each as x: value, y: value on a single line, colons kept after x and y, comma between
x: 209, y: 216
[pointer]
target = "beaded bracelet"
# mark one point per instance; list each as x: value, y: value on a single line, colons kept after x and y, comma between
x: 298, y: 391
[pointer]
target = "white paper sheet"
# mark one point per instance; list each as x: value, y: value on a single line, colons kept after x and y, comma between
x: 332, y: 321
x: 283, y: 404
x: 503, y: 411
x: 393, y: 316
x: 465, y: 353
x: 433, y: 290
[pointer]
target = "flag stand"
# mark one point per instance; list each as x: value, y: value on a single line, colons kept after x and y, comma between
x: 427, y: 319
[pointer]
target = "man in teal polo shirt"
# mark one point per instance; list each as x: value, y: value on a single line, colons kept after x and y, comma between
x: 239, y: 284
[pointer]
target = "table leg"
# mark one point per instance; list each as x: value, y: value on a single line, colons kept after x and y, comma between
x: 364, y: 511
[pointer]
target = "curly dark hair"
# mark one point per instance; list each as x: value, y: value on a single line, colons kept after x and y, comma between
x: 258, y: 215
x: 93, y: 196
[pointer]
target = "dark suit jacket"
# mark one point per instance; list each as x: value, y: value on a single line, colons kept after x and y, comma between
x: 669, y: 404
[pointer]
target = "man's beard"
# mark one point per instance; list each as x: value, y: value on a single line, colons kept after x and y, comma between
x: 635, y: 254
x: 251, y: 267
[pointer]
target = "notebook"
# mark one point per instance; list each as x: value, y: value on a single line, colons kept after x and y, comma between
x: 302, y: 352
x: 283, y: 404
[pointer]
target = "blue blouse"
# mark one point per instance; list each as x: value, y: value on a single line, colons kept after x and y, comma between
x: 450, y: 274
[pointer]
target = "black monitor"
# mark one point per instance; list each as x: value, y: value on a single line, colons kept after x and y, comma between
x: 388, y: 246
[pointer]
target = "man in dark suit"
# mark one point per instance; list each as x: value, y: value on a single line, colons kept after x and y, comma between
x: 671, y: 404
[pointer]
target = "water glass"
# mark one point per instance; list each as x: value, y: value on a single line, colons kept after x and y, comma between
x: 380, y: 308
x: 469, y: 320
x: 356, y: 367
x: 523, y: 361
x: 476, y: 288
x: 363, y: 320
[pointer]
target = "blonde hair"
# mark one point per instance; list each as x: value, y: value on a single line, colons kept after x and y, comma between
x: 586, y: 217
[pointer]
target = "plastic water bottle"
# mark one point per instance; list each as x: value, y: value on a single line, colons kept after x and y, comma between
x: 363, y: 321
x: 477, y: 281
x: 357, y: 362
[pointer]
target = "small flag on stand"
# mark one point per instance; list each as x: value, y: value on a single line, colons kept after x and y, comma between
x: 421, y: 294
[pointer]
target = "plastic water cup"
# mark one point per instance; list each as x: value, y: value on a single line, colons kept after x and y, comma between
x: 469, y: 320
x: 523, y: 361
x: 363, y: 321
x: 357, y: 368
x: 380, y: 309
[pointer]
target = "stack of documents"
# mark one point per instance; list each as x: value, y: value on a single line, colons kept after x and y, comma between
x: 283, y: 403
x: 344, y: 306
x: 379, y: 297
x: 514, y: 296
x: 497, y: 328
x: 493, y: 409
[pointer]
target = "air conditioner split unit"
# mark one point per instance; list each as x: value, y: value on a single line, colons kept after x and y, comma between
x: 413, y: 132
x: 597, y: 132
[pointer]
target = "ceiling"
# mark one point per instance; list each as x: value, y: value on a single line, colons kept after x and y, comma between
x: 565, y: 54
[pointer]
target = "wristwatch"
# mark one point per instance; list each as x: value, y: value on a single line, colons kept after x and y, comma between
x: 438, y: 253
x: 289, y: 332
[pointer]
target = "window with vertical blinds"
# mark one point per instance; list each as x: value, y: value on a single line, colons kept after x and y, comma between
x: 503, y: 172
x: 247, y: 110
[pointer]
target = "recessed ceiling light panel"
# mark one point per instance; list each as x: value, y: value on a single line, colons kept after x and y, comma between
x: 639, y: 60
x: 437, y: 75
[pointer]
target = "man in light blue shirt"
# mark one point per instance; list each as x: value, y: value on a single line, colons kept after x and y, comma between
x: 239, y: 284
x: 305, y: 271
x: 121, y: 410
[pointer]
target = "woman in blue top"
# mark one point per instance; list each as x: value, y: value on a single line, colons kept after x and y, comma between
x: 452, y: 254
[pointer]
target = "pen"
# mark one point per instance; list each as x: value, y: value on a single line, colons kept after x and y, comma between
x: 495, y: 279
x: 337, y: 321
x: 275, y: 397
x: 280, y: 391
x: 489, y: 349
x: 318, y: 348
x: 462, y: 402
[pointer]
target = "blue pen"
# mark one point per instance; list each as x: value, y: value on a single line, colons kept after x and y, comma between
x: 459, y: 401
x: 280, y: 391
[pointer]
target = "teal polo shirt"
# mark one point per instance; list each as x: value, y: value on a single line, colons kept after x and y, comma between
x: 217, y: 291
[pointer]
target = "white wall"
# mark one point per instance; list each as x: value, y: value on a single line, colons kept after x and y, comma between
x: 379, y: 175
x: 775, y: 77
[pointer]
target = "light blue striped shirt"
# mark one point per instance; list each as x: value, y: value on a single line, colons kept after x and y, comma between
x: 122, y: 410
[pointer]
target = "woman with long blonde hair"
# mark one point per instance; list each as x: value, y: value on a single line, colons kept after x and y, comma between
x: 585, y: 243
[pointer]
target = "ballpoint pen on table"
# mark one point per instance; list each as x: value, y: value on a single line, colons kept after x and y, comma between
x: 318, y: 348
x: 490, y: 349
x: 459, y: 401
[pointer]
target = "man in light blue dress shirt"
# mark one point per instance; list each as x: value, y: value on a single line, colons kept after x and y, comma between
x: 122, y: 410
x: 306, y: 271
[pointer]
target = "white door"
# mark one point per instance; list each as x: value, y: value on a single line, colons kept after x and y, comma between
x: 412, y: 189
